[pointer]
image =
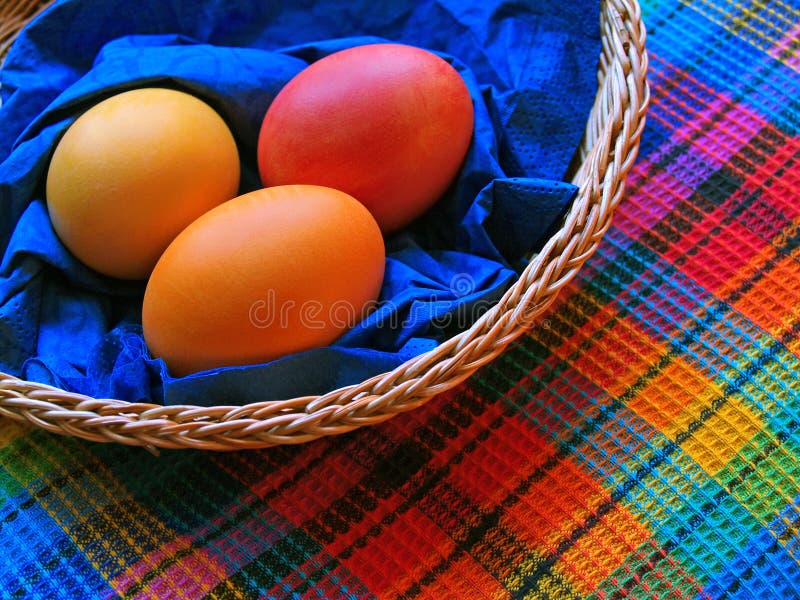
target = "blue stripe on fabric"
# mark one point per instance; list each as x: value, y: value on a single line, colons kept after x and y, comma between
x: 40, y: 560
x: 765, y: 567
x: 683, y: 36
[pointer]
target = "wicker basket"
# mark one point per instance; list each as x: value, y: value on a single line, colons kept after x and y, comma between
x: 608, y: 150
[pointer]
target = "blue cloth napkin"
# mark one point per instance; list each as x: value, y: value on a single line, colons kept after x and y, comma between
x: 530, y: 68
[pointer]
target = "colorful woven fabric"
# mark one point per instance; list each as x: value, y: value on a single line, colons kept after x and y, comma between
x: 641, y: 442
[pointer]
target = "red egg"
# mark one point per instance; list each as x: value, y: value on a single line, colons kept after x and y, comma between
x: 388, y: 124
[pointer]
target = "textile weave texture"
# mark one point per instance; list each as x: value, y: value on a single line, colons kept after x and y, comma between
x: 641, y: 442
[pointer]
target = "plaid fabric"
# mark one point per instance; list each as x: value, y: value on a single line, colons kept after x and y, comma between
x: 641, y: 442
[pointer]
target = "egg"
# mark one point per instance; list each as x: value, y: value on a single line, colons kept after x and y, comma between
x: 132, y: 172
x: 272, y: 272
x: 389, y: 124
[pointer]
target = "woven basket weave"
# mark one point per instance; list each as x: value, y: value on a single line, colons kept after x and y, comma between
x: 608, y: 150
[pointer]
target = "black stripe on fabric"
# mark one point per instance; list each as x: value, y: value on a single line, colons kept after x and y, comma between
x: 401, y: 464
x: 718, y: 187
x: 683, y: 217
x: 461, y: 410
x: 428, y: 479
x: 12, y: 516
x: 760, y: 148
x: 270, y: 567
x: 260, y: 464
x: 429, y: 482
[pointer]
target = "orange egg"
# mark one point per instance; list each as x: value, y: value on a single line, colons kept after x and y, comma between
x: 132, y: 171
x: 272, y: 272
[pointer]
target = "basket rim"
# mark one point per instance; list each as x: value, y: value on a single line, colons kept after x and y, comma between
x: 607, y: 152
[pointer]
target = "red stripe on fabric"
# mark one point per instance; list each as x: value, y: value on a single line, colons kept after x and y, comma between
x: 781, y: 185
x: 763, y: 219
x: 652, y: 196
x: 465, y: 579
x: 507, y: 456
x: 407, y: 547
x: 332, y: 478
x: 713, y: 259
x: 415, y: 422
x: 554, y: 506
x: 767, y: 161
x: 358, y: 531
x: 616, y: 359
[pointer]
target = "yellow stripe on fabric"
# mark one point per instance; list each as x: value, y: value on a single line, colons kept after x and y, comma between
x: 770, y: 10
x: 743, y: 23
x: 674, y: 398
x: 31, y: 464
x: 549, y: 584
x: 679, y: 398
x: 89, y: 495
x: 603, y: 549
x: 722, y: 435
x: 11, y: 430
x: 734, y: 25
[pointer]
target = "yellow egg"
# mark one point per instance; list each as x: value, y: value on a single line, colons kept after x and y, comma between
x: 132, y: 172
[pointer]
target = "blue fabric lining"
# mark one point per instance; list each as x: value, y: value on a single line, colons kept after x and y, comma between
x: 530, y: 68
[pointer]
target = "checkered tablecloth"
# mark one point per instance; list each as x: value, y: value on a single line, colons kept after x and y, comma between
x: 641, y: 442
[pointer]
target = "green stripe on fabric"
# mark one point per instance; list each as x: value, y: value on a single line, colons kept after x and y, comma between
x: 27, y: 465
x: 9, y: 485
x: 184, y: 487
x: 270, y: 567
x: 649, y: 572
x: 773, y: 483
